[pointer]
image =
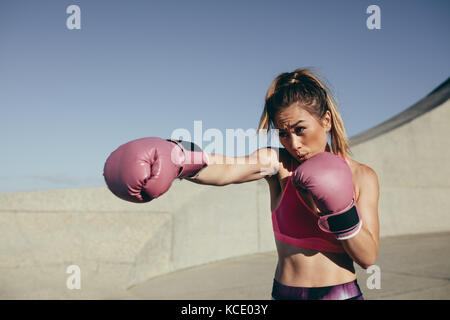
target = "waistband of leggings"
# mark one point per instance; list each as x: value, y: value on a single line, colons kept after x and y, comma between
x: 337, y: 292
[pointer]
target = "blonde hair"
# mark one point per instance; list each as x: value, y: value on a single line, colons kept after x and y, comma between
x: 304, y: 87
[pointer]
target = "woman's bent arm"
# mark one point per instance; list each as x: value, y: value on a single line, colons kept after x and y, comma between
x: 363, y: 248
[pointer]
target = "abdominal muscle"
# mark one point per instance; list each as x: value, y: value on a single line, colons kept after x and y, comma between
x: 301, y: 267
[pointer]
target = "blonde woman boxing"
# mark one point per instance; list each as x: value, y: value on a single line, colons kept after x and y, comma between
x: 324, y: 204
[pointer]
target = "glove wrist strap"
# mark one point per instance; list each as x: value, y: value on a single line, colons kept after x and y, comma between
x: 195, y: 158
x: 344, y: 225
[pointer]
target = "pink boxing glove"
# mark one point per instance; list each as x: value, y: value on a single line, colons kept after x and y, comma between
x: 143, y: 169
x: 329, y: 180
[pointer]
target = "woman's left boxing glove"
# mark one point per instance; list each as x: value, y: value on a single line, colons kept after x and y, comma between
x: 328, y: 178
x: 143, y: 169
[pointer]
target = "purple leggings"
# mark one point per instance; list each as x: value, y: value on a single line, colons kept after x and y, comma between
x: 345, y: 291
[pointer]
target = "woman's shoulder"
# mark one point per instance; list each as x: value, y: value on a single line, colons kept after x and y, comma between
x: 360, y: 169
x: 363, y: 175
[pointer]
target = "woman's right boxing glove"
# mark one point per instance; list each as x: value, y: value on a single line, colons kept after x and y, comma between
x: 143, y: 169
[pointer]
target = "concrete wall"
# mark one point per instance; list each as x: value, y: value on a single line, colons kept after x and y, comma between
x: 413, y: 167
x: 411, y: 154
x: 118, y: 244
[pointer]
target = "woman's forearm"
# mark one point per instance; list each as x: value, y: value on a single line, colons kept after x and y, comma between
x: 214, y: 173
x: 362, y: 248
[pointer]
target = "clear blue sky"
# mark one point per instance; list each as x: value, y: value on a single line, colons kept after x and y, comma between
x: 144, y: 68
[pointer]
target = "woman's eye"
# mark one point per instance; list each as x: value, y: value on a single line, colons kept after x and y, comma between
x: 299, y: 129
x: 282, y: 134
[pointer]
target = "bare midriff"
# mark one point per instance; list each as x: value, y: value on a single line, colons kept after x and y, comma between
x: 301, y: 267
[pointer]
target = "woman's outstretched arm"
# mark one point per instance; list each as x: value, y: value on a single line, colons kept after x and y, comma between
x: 223, y: 170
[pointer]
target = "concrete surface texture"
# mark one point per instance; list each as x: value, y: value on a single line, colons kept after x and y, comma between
x: 119, y: 246
x: 410, y: 267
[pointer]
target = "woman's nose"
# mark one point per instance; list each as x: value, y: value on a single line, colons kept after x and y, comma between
x: 296, y: 142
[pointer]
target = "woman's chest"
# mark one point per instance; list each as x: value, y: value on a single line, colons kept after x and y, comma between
x: 284, y: 179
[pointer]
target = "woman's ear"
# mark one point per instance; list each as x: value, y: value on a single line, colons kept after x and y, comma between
x: 326, y: 121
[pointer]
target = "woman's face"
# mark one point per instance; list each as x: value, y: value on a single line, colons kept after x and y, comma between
x: 301, y: 133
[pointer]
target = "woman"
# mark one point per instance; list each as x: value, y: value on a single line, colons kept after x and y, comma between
x: 324, y: 204
x: 311, y: 263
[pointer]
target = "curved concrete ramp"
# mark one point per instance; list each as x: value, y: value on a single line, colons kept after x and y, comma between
x: 411, y: 155
x: 433, y: 100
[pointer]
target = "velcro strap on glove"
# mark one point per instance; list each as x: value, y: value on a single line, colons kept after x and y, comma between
x: 195, y: 158
x: 344, y: 225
